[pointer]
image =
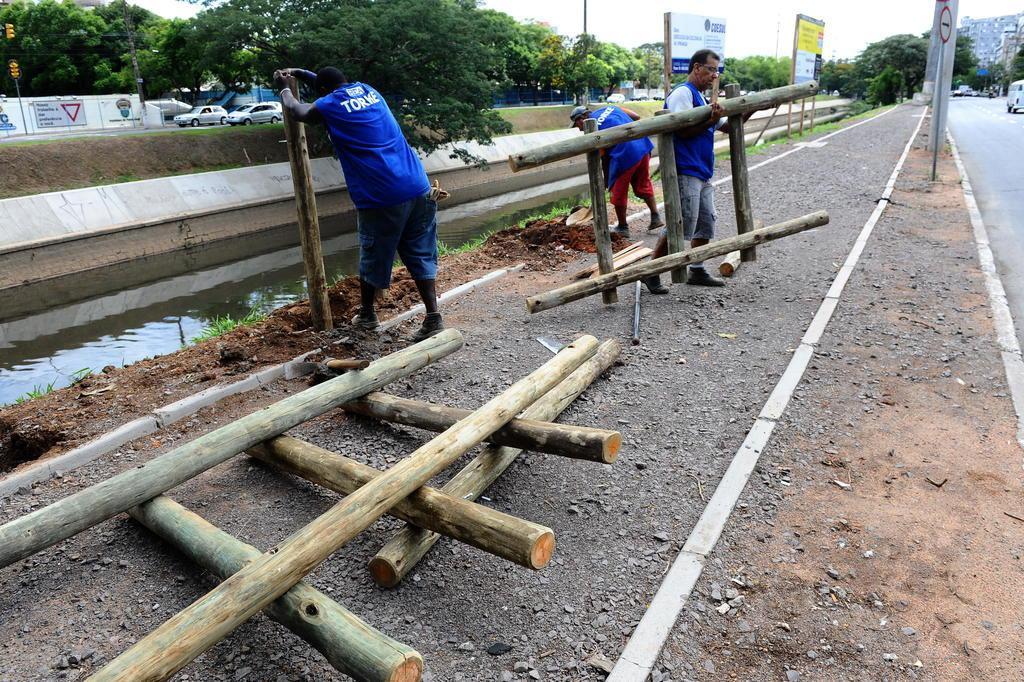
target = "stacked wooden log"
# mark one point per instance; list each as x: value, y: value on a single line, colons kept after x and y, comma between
x: 633, y: 253
x: 517, y: 419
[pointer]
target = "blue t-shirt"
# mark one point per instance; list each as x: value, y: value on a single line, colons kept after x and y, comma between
x: 695, y: 156
x: 625, y: 155
x: 380, y: 167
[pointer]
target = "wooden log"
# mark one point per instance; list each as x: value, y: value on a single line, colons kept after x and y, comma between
x: 589, y: 287
x: 636, y: 314
x: 521, y: 542
x: 770, y: 119
x: 674, y: 122
x: 208, y: 620
x: 602, y: 237
x: 740, y: 179
x: 394, y: 561
x: 347, y: 364
x: 730, y: 264
x: 670, y: 192
x: 51, y: 524
x: 575, y: 442
x: 349, y: 644
x: 621, y: 253
x: 309, y: 222
x: 632, y: 257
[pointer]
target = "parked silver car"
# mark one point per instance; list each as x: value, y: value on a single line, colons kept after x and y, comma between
x: 263, y: 112
x: 202, y: 116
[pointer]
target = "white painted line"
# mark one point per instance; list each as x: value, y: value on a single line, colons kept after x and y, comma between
x: 640, y: 655
x: 820, y: 321
x: 1006, y: 333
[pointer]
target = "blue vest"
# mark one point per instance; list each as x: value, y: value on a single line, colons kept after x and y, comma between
x: 695, y: 156
x: 380, y: 167
x: 625, y: 155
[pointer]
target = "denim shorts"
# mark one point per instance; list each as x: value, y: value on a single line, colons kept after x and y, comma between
x: 408, y: 230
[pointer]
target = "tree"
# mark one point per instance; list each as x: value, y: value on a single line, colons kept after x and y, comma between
x: 907, y: 54
x: 1017, y: 68
x: 757, y: 73
x: 965, y: 64
x: 885, y: 87
x: 838, y: 75
x: 621, y: 65
x: 651, y: 58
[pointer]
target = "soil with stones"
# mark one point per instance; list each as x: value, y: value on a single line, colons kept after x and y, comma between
x: 683, y: 401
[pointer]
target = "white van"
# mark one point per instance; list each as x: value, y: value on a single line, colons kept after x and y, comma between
x: 1015, y: 97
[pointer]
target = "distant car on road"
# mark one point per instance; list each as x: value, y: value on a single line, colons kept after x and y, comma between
x: 170, y: 107
x: 1015, y: 97
x: 263, y: 112
x: 617, y: 98
x: 201, y: 116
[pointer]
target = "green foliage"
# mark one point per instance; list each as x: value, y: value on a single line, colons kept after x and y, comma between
x: 757, y: 73
x: 906, y: 54
x: 839, y: 75
x: 222, y: 324
x: 36, y: 392
x: 965, y: 64
x: 651, y: 64
x: 1017, y: 69
x: 885, y: 88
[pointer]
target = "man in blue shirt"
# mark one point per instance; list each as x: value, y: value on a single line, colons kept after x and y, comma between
x: 695, y: 163
x: 626, y: 164
x: 387, y: 183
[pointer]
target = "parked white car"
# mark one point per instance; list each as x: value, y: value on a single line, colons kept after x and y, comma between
x: 1015, y: 97
x: 263, y: 112
x: 617, y: 98
x: 209, y: 115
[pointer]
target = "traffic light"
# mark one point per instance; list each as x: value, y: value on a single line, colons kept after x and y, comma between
x: 14, y: 69
x: 9, y: 31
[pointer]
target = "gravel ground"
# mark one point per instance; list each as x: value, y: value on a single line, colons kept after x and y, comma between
x: 683, y: 400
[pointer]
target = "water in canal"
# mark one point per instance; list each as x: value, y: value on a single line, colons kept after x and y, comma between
x: 50, y: 347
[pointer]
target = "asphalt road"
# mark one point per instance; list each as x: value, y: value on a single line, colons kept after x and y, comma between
x: 991, y: 143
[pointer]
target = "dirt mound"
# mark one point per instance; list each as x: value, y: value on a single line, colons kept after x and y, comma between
x: 553, y: 233
x: 24, y: 441
x: 345, y: 298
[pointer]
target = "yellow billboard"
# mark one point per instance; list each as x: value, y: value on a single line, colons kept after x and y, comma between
x: 807, y: 48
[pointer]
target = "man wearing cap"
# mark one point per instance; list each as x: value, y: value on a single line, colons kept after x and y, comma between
x: 695, y: 163
x: 387, y: 183
x: 626, y: 164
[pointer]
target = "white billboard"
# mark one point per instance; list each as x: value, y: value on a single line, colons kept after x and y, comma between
x: 60, y: 114
x: 687, y: 33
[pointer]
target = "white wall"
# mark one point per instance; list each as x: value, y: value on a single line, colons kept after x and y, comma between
x: 92, y: 112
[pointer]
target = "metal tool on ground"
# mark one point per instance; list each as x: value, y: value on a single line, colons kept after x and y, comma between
x: 636, y: 314
x: 550, y: 343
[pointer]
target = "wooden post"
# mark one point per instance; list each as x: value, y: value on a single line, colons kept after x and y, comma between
x: 730, y: 264
x: 207, y: 621
x: 394, y: 561
x: 589, y: 287
x: 566, y: 440
x: 803, y: 108
x: 522, y: 542
x: 309, y: 222
x: 814, y: 101
x: 674, y: 122
x: 51, y: 524
x: 670, y: 192
x: 766, y: 125
x: 740, y: 179
x: 602, y: 237
x: 349, y: 644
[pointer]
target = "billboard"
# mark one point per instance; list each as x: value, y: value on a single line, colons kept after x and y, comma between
x: 60, y: 114
x: 807, y: 48
x: 687, y: 33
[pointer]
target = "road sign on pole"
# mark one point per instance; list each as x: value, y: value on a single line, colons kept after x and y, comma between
x: 945, y: 24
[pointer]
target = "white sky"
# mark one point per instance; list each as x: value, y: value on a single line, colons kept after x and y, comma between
x: 751, y: 24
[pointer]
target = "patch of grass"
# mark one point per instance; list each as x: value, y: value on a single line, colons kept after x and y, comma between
x: 36, y: 392
x: 222, y: 324
x: 820, y: 129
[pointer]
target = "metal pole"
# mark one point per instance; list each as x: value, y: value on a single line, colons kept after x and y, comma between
x: 135, y: 63
x: 936, y: 107
x: 21, y: 105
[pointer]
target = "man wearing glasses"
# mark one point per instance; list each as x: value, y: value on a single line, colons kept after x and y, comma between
x: 695, y: 162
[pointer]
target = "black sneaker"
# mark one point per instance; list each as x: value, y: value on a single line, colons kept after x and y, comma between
x: 702, y: 278
x: 432, y: 324
x: 656, y: 223
x: 621, y: 230
x: 366, y: 322
x: 655, y: 286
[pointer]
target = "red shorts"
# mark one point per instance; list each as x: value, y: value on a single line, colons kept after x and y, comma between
x: 639, y: 176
